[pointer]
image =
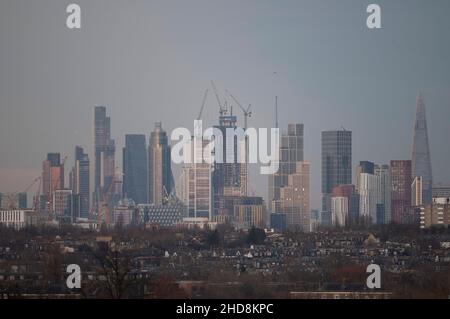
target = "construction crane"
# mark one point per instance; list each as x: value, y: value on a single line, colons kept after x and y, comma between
x: 247, y: 112
x: 12, y: 198
x: 222, y: 109
x: 203, y: 105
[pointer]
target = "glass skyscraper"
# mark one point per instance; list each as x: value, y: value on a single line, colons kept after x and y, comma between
x: 421, y: 160
x: 336, y: 163
x: 135, y: 168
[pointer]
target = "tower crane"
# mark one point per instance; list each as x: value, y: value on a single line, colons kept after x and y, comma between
x: 247, y: 112
x: 222, y: 109
x: 203, y: 105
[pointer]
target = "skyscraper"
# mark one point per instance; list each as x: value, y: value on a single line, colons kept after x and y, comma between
x: 104, y: 156
x: 384, y: 194
x: 401, y: 181
x: 364, y: 167
x: 336, y: 163
x: 294, y: 200
x: 421, y: 160
x: 135, y: 168
x: 291, y: 152
x: 160, y: 178
x: 368, y: 197
x: 196, y: 183
x: 52, y: 175
x: 229, y: 175
x: 80, y: 177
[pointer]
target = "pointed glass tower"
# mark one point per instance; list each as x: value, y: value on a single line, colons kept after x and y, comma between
x: 421, y: 160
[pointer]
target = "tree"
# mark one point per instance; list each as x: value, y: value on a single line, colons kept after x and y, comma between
x: 256, y: 236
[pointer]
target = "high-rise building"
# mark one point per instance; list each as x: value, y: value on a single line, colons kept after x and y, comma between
x: 80, y: 179
x: 339, y: 211
x: 135, y: 168
x: 349, y: 191
x: 229, y: 175
x: 52, y: 175
x: 104, y: 157
x: 364, y: 167
x: 160, y: 178
x: 368, y: 198
x: 421, y: 160
x: 336, y: 163
x: 291, y: 152
x: 401, y: 181
x: 384, y: 194
x: 196, y: 183
x: 294, y: 199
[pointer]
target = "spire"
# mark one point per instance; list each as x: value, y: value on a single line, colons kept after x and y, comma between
x: 421, y: 159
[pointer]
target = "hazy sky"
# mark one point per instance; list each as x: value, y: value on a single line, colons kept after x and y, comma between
x: 151, y: 61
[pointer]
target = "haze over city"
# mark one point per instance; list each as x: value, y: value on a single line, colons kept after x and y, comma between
x: 152, y: 61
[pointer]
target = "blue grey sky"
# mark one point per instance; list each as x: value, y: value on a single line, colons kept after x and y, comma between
x: 151, y: 61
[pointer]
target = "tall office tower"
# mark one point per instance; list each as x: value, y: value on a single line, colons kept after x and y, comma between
x: 364, y: 167
x: 229, y: 176
x: 291, y: 152
x: 79, y: 183
x: 135, y: 168
x: 384, y: 194
x: 52, y: 175
x: 196, y: 183
x: 104, y: 156
x: 349, y: 191
x: 368, y: 198
x: 294, y: 200
x: 339, y: 211
x: 160, y: 178
x: 421, y: 160
x: 336, y: 163
x: 401, y: 191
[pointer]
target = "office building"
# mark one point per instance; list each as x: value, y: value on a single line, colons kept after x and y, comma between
x: 135, y: 168
x: 336, y: 163
x: 401, y: 181
x: 363, y: 167
x: 294, y: 200
x: 421, y: 159
x: 196, y: 183
x: 368, y: 198
x: 384, y: 194
x: 339, y: 211
x: 349, y: 191
x: 105, y: 150
x: 52, y: 175
x: 80, y: 183
x: 160, y: 178
x: 291, y: 152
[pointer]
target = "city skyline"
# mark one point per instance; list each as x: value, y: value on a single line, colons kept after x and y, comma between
x: 370, y: 87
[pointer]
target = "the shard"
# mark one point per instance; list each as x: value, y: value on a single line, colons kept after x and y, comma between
x: 421, y: 160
